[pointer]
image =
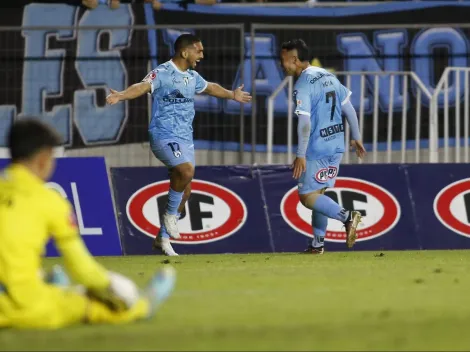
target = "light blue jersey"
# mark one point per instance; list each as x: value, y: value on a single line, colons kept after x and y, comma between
x: 320, y: 95
x: 173, y: 94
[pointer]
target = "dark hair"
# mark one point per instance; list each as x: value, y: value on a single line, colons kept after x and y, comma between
x: 28, y: 136
x: 303, y: 52
x: 185, y: 40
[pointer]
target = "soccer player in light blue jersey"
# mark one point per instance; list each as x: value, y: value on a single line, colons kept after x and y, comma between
x: 173, y: 86
x: 320, y: 99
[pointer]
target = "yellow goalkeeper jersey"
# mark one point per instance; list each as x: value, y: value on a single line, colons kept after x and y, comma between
x: 30, y: 214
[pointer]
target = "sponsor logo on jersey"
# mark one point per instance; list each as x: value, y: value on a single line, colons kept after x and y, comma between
x: 321, y: 75
x: 175, y: 97
x: 322, y: 175
x: 332, y: 130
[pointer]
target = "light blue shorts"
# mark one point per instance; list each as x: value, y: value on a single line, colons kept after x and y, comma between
x: 172, y: 152
x: 320, y: 173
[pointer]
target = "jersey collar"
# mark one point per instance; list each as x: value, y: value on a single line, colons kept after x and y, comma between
x: 308, y: 67
x: 176, y: 67
x: 21, y: 172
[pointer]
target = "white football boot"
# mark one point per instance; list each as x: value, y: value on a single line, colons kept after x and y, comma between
x: 171, y: 224
x: 164, y: 245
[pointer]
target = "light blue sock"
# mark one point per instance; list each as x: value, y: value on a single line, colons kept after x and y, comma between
x: 174, y: 201
x: 163, y: 231
x: 328, y: 207
x: 319, y: 225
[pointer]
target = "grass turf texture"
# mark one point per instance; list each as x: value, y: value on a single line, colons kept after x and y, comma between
x: 338, y: 301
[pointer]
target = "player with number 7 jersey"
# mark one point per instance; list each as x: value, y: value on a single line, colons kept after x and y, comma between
x: 173, y: 86
x: 320, y: 100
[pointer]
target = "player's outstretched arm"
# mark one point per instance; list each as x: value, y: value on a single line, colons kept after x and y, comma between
x: 134, y: 91
x: 218, y: 91
x: 351, y: 117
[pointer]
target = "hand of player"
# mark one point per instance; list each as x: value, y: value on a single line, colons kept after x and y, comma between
x: 114, y: 97
x: 360, y: 150
x: 121, y: 294
x: 241, y: 96
x: 299, y: 165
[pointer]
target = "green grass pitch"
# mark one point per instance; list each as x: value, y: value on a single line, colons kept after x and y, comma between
x: 338, y: 301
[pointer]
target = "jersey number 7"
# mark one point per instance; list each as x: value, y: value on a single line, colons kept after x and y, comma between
x: 331, y: 94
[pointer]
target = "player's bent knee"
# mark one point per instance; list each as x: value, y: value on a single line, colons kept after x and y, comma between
x: 184, y: 172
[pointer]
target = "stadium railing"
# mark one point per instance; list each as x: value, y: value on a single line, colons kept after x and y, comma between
x: 397, y: 128
x: 408, y: 78
x: 270, y: 129
x: 453, y: 116
x: 417, y: 131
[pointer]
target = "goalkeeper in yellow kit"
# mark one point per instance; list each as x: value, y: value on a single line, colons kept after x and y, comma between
x: 30, y: 214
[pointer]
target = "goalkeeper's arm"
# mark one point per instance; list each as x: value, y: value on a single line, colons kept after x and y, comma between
x: 81, y: 265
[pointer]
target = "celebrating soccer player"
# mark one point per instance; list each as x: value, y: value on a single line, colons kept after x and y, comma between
x: 320, y: 99
x: 173, y: 86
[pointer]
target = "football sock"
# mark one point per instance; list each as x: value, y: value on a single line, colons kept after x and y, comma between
x: 164, y: 232
x: 328, y: 207
x: 174, y: 200
x: 319, y: 224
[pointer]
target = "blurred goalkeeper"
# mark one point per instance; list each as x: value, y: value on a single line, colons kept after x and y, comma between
x: 31, y: 214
